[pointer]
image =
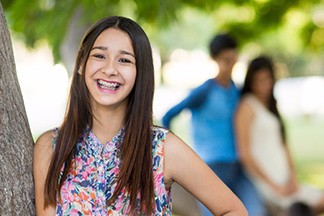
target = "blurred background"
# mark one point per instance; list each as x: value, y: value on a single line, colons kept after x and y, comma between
x: 46, y: 36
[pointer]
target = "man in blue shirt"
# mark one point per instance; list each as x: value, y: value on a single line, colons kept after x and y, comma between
x: 212, y: 105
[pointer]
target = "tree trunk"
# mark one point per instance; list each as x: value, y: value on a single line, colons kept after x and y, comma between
x: 74, y: 33
x: 16, y: 143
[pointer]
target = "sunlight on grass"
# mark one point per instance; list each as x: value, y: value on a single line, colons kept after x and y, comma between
x: 306, y: 141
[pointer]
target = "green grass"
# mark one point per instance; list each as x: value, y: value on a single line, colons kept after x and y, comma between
x: 306, y: 141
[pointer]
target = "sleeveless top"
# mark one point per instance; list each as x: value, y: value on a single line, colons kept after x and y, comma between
x: 92, y: 179
x: 268, y: 151
x: 266, y: 145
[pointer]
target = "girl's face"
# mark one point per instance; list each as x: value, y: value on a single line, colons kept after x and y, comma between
x: 262, y: 84
x: 110, y: 71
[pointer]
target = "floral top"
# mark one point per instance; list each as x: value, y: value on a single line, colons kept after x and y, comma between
x: 92, y: 179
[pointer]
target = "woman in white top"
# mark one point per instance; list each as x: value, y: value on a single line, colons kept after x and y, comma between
x: 262, y: 143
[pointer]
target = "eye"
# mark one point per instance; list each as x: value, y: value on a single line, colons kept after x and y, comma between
x: 125, y: 60
x: 99, y: 56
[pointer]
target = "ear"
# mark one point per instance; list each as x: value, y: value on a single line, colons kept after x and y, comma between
x: 80, y: 70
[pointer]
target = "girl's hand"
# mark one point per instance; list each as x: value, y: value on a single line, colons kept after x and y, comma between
x: 288, y: 189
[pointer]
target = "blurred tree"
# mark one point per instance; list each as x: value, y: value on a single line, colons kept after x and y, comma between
x: 16, y: 144
x: 61, y: 23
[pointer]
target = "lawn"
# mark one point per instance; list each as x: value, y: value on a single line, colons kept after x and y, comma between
x: 306, y: 141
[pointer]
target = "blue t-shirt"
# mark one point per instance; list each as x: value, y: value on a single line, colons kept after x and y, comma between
x: 212, y: 107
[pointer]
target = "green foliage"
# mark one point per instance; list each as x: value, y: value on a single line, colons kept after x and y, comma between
x: 157, y: 11
x: 175, y: 23
x: 38, y: 20
x: 48, y: 20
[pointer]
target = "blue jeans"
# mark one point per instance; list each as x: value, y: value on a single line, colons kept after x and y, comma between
x: 232, y: 175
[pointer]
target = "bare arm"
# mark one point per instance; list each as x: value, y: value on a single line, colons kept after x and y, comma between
x: 42, y: 157
x: 185, y: 167
x: 243, y: 123
x: 290, y: 161
x: 292, y: 185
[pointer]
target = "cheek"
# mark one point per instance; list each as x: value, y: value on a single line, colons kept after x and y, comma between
x: 131, y: 84
x: 258, y: 87
x: 130, y: 76
x: 264, y: 87
x: 88, y: 77
x: 267, y: 83
x: 90, y: 68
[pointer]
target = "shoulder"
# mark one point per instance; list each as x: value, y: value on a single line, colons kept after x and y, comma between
x: 159, y: 136
x: 245, y: 106
x: 172, y: 143
x: 204, y: 86
x: 246, y: 101
x: 45, y: 141
x: 174, y: 146
x: 46, y: 136
x: 159, y: 133
x: 43, y: 152
x: 207, y: 84
x: 180, y: 158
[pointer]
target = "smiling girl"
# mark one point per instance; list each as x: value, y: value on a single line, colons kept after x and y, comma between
x: 107, y: 157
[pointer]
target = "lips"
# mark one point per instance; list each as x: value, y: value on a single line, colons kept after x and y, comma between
x: 104, y: 85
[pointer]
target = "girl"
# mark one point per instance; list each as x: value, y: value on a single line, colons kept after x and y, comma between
x: 262, y: 143
x: 107, y: 157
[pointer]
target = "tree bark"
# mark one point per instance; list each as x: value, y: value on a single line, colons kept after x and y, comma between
x: 16, y: 143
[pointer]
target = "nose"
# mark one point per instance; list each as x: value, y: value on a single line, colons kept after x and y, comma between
x: 109, y: 68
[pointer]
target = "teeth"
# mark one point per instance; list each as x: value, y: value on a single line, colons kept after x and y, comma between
x: 112, y: 86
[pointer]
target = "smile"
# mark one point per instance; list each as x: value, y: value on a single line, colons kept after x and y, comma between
x: 113, y: 86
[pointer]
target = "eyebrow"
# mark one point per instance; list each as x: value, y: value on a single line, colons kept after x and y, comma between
x: 106, y: 48
x: 100, y: 48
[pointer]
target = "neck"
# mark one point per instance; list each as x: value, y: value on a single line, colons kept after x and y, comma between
x: 107, y: 123
x: 223, y: 80
x: 263, y: 100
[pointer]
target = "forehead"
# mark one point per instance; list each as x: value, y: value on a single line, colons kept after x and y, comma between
x: 262, y: 73
x: 114, y: 38
x: 228, y: 53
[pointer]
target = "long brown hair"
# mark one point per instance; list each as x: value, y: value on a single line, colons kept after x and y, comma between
x: 136, y: 173
x: 255, y: 66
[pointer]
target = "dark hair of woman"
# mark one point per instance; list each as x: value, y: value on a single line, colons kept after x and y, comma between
x: 136, y: 174
x: 255, y: 66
